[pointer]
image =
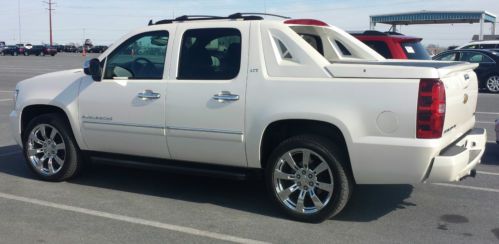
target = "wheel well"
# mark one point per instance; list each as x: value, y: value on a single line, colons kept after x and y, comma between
x: 281, y: 130
x: 33, y: 111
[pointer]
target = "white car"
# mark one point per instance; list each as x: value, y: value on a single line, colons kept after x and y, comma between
x: 481, y: 45
x: 307, y: 104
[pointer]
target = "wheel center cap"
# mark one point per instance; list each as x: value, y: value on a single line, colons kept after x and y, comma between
x: 305, y: 179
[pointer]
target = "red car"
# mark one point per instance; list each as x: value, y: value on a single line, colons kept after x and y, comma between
x: 392, y: 45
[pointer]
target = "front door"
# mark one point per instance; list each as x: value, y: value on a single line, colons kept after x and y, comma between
x: 125, y: 112
x: 205, y: 104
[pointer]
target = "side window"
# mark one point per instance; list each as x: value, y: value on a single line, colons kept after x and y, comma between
x: 380, y: 47
x: 475, y: 58
x: 448, y: 57
x: 343, y: 49
x: 283, y: 50
x: 210, y: 54
x: 487, y: 46
x: 140, y: 57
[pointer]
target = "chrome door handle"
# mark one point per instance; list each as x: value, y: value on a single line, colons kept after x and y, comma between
x: 148, y: 95
x: 225, y: 96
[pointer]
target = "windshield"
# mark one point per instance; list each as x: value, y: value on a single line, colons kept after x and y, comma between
x: 414, y: 50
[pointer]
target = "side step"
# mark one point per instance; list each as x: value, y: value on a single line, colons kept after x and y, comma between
x: 181, y: 167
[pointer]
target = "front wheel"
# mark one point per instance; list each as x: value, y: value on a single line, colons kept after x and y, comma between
x: 308, y: 179
x: 492, y: 84
x: 50, y: 149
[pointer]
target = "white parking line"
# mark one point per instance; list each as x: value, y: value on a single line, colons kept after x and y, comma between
x: 468, y: 187
x: 7, y: 91
x: 487, y: 122
x: 9, y: 153
x: 487, y: 173
x: 5, y: 100
x: 491, y: 142
x: 171, y: 227
x: 487, y: 113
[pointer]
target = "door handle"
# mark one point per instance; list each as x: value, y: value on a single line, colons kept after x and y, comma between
x: 225, y: 96
x: 148, y: 95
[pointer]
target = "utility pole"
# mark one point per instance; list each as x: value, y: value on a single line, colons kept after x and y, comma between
x: 19, y: 13
x: 50, y: 3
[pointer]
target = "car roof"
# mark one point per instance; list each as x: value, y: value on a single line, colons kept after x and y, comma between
x: 388, y: 34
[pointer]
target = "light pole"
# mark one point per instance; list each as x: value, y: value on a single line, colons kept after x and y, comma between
x: 19, y: 14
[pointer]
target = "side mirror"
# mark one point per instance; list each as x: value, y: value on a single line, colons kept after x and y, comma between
x: 92, y: 67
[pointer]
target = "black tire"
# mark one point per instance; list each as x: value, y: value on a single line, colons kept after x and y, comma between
x: 486, y: 86
x: 73, y: 158
x: 336, y: 159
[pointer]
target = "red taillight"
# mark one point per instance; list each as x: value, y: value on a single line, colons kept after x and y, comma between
x: 305, y: 22
x: 431, y: 109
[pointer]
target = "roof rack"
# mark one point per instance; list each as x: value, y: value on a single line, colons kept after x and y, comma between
x: 243, y: 16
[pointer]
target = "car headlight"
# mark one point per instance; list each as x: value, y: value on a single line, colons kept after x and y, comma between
x: 16, y: 93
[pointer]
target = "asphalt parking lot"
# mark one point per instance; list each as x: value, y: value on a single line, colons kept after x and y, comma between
x: 120, y: 205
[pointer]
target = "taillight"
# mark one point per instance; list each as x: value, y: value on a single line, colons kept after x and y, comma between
x: 431, y: 109
x: 305, y: 22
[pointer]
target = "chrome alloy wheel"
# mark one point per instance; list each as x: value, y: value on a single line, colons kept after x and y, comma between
x: 46, y: 150
x: 493, y: 83
x: 303, y: 181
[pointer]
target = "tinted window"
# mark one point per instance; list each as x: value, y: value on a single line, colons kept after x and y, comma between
x: 343, y: 49
x: 473, y: 57
x: 488, y: 46
x: 314, y: 41
x: 447, y: 57
x: 380, y: 47
x: 210, y: 54
x: 140, y: 57
x: 414, y: 50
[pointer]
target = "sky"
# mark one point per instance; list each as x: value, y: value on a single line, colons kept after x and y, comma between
x: 105, y: 21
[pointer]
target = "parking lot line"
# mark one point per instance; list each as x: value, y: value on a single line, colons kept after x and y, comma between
x: 7, y: 91
x: 468, y: 187
x: 486, y: 122
x: 5, y: 100
x: 123, y: 218
x: 487, y: 173
x: 487, y: 113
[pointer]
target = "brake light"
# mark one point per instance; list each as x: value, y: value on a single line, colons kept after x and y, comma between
x: 431, y: 109
x: 313, y: 22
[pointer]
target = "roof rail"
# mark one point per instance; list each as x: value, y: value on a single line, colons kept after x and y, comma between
x: 243, y: 16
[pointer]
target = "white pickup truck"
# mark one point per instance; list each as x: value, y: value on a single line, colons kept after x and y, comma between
x: 304, y: 102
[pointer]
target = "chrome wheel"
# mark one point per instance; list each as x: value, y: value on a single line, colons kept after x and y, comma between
x: 303, y: 181
x: 493, y: 83
x: 46, y: 150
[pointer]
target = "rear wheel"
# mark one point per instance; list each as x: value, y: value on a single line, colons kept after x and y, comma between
x: 50, y: 149
x: 492, y: 84
x: 308, y: 179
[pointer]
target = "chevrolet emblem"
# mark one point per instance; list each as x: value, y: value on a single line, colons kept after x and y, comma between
x: 465, y: 100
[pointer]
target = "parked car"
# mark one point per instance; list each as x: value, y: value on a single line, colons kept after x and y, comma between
x: 12, y: 50
x: 97, y: 49
x: 488, y: 69
x: 70, y: 48
x: 480, y: 45
x: 256, y: 96
x: 2, y: 45
x: 41, y: 50
x: 50, y: 50
x: 392, y: 45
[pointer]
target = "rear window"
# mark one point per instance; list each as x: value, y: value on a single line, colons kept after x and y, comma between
x: 380, y: 47
x: 414, y: 50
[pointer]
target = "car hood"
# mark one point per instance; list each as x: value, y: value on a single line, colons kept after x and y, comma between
x: 51, y: 84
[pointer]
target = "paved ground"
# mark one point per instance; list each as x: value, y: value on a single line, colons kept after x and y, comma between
x: 119, y: 205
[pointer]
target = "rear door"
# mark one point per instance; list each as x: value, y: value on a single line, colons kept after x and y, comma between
x: 486, y: 64
x: 205, y: 102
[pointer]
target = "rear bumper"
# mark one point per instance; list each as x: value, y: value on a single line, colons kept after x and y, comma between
x: 460, y: 158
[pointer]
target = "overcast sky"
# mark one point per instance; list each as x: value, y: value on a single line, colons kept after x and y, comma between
x: 104, y: 21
